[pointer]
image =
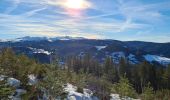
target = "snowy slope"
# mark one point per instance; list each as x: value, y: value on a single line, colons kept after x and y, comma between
x: 159, y: 59
x: 132, y: 59
x: 117, y: 56
x: 35, y: 50
x: 100, y: 47
x: 74, y: 95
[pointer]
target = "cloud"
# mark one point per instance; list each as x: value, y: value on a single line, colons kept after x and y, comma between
x: 32, y: 12
x: 14, y: 5
x: 49, y: 18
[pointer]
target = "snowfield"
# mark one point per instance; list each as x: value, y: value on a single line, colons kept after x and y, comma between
x: 117, y: 56
x: 100, y: 47
x: 132, y: 59
x: 35, y: 50
x: 73, y: 95
x: 159, y: 59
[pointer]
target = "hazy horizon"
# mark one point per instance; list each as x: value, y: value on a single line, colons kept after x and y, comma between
x: 132, y: 20
x: 11, y: 39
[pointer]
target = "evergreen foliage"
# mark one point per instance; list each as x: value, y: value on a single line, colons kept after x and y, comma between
x: 124, y: 88
x: 85, y: 72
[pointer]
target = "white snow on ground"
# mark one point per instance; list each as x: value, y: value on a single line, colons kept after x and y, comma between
x: 73, y: 95
x: 32, y: 79
x: 117, y: 56
x: 69, y: 88
x: 35, y: 50
x: 13, y: 82
x: 117, y: 97
x: 159, y: 59
x: 100, y: 47
x: 49, y: 40
x: 132, y: 59
x: 2, y: 77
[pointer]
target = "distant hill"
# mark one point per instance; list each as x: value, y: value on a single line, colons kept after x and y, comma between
x: 43, y: 48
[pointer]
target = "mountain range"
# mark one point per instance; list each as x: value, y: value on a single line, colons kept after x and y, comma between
x: 42, y: 48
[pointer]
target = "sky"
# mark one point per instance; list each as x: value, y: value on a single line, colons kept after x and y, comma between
x: 126, y: 20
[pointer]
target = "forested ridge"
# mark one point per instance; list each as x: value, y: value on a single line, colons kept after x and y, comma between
x: 143, y: 81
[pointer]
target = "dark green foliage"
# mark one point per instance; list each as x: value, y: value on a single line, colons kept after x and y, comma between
x: 124, y: 88
x: 162, y: 94
x: 5, y: 90
x: 100, y: 86
x: 85, y: 72
x: 148, y: 93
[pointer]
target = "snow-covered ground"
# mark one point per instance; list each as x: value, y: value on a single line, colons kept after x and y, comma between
x: 35, y: 50
x: 13, y: 82
x: 117, y: 97
x: 117, y: 56
x: 32, y: 79
x: 16, y: 84
x: 100, y: 47
x: 68, y: 88
x: 132, y: 59
x: 74, y: 95
x: 159, y: 59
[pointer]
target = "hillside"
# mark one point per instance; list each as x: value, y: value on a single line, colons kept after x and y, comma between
x: 134, y: 51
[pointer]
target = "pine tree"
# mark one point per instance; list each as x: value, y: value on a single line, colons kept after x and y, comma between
x: 143, y: 74
x: 122, y: 67
x: 166, y: 77
x: 148, y: 93
x: 110, y: 70
x: 52, y: 84
x: 124, y: 88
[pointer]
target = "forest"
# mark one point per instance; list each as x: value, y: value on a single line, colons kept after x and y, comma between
x: 143, y: 81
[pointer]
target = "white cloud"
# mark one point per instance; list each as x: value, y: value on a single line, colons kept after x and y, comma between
x: 56, y: 21
x: 12, y: 7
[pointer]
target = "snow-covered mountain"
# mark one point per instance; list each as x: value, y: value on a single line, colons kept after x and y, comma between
x: 155, y: 58
x: 133, y: 51
x: 28, y: 38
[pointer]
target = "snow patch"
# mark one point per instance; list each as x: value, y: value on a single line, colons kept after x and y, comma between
x: 13, y: 82
x: 74, y: 95
x: 117, y: 56
x: 117, y: 97
x: 159, y: 59
x: 2, y: 77
x: 132, y: 59
x: 35, y: 50
x: 32, y: 79
x: 100, y: 47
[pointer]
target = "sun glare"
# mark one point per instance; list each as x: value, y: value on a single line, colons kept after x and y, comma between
x: 76, y: 4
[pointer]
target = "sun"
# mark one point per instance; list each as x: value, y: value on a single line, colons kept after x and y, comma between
x: 77, y: 4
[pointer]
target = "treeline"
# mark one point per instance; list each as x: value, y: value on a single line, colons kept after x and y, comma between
x: 144, y: 81
x: 142, y: 78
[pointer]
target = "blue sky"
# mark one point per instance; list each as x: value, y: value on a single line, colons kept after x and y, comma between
x: 143, y: 20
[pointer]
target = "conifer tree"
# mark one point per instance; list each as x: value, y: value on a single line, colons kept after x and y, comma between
x: 122, y: 67
x: 148, y: 93
x: 124, y: 88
